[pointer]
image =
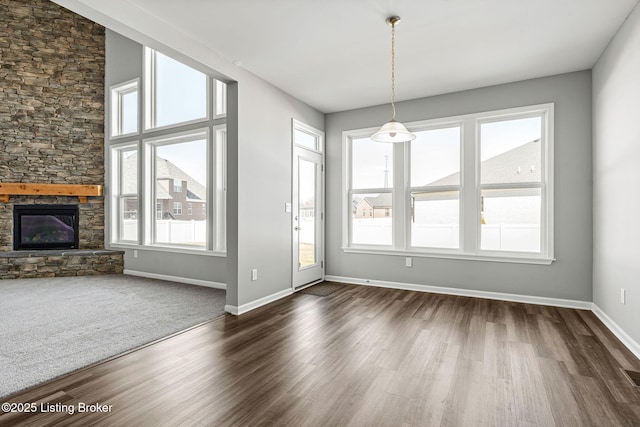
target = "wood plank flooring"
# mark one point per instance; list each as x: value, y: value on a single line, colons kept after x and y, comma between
x: 362, y: 356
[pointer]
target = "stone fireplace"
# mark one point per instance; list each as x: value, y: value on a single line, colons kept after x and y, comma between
x: 52, y: 131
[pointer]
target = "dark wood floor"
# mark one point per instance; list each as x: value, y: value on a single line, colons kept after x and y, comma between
x: 363, y: 356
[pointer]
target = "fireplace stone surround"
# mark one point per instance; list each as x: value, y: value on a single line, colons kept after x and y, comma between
x: 52, y: 130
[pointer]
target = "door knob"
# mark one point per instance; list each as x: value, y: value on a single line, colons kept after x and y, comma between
x: 297, y: 228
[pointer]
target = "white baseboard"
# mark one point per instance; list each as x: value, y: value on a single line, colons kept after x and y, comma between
x: 178, y: 279
x: 630, y: 343
x: 235, y: 310
x: 528, y: 299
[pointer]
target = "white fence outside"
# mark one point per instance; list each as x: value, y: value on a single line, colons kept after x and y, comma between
x: 497, y: 237
x: 171, y: 231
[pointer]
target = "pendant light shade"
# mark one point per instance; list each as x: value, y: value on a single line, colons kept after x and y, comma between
x: 393, y: 131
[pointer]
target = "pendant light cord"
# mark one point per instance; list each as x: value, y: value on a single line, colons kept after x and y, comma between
x: 393, y: 71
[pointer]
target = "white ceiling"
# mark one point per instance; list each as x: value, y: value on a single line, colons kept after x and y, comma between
x: 335, y: 54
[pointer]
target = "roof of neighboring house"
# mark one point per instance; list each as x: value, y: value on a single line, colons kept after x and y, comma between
x: 162, y: 190
x: 165, y: 170
x: 380, y: 201
x: 521, y: 164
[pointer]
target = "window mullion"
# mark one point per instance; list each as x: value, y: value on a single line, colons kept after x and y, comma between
x: 470, y: 191
x: 399, y: 195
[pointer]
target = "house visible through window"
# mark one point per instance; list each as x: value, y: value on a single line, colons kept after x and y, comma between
x: 177, y: 208
x: 495, y: 203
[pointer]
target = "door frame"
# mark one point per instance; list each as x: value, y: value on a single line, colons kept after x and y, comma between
x: 295, y: 149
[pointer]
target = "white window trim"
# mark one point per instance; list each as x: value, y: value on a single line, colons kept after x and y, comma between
x: 469, y: 200
x: 115, y: 111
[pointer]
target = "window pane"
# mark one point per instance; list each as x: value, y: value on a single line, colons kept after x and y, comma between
x: 435, y: 157
x: 180, y: 92
x: 183, y: 162
x: 511, y: 220
x: 128, y: 200
x: 305, y: 140
x: 306, y: 213
x: 372, y: 164
x: 124, y: 109
x: 511, y: 151
x: 129, y: 171
x: 221, y: 98
x: 130, y: 112
x: 371, y: 219
x: 435, y: 219
x: 129, y: 218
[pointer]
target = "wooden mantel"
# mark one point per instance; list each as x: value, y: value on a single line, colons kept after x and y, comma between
x: 18, y: 188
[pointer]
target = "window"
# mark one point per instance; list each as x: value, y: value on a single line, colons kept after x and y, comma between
x: 176, y: 93
x: 178, y: 156
x: 371, y: 190
x: 124, y: 109
x: 425, y: 197
x: 126, y: 201
x: 435, y: 188
x: 177, y: 209
x: 221, y: 99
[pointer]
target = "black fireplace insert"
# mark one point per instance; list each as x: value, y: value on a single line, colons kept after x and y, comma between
x: 45, y: 227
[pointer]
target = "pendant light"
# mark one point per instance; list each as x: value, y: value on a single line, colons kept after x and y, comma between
x: 393, y: 131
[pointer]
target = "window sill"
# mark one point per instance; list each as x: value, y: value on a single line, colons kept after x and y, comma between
x: 167, y: 249
x: 456, y: 256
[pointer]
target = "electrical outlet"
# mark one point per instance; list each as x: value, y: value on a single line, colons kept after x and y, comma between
x: 623, y: 296
x: 135, y: 253
x: 254, y: 274
x: 408, y: 262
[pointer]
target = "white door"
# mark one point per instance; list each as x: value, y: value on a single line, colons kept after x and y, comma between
x: 307, y: 206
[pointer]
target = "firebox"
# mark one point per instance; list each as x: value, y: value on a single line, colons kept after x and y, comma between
x: 45, y: 227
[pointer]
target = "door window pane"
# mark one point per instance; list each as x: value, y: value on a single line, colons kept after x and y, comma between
x: 371, y: 219
x: 435, y: 157
x: 305, y: 140
x: 306, y: 213
x: 372, y: 164
x: 184, y: 162
x: 510, y: 220
x: 510, y: 151
x: 435, y: 219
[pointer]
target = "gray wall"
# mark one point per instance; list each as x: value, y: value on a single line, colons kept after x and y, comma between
x: 616, y: 174
x: 570, y: 276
